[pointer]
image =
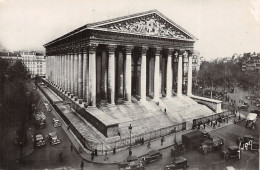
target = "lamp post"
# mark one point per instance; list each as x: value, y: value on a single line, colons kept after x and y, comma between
x: 130, y: 130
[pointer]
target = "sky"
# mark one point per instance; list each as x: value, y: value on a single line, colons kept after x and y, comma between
x: 223, y: 27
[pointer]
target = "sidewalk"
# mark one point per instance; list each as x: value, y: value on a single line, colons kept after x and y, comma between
x: 137, y: 150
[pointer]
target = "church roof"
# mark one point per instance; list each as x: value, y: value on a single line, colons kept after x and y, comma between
x: 149, y: 23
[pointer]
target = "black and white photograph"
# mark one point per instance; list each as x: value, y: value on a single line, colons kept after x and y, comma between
x: 129, y: 84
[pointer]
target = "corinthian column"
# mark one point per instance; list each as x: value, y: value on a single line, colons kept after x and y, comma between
x: 72, y: 72
x: 169, y: 74
x: 179, y: 78
x: 76, y: 59
x: 189, y: 87
x: 92, y: 73
x: 143, y: 74
x: 157, y: 74
x: 111, y: 74
x: 128, y: 73
x: 80, y: 74
x: 85, y: 74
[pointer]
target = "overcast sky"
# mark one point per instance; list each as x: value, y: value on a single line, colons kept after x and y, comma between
x: 223, y: 27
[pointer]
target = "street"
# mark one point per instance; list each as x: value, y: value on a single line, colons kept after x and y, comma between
x: 47, y: 156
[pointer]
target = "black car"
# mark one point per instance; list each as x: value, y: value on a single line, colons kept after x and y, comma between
x: 244, y: 139
x: 232, y: 152
x: 177, y: 163
x: 255, y: 111
x: 152, y: 156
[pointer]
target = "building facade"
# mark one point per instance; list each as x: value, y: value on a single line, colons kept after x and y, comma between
x: 140, y: 55
x: 34, y: 62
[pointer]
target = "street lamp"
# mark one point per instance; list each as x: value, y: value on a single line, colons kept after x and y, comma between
x: 130, y: 130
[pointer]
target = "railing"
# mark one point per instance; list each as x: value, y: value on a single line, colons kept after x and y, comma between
x: 123, y: 143
x: 210, y: 118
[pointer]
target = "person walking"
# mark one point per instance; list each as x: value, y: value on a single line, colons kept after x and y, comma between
x: 82, y: 165
x: 148, y: 144
x: 162, y: 140
x: 71, y: 147
x: 92, y: 155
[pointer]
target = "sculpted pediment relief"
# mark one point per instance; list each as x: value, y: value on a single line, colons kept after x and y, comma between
x: 148, y: 25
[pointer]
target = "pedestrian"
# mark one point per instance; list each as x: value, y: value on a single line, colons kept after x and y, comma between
x: 204, y: 125
x: 71, y: 147
x: 165, y: 110
x: 96, y: 152
x: 214, y: 125
x: 142, y: 140
x: 92, y: 155
x: 149, y: 144
x: 82, y: 165
x: 162, y: 140
x: 114, y: 151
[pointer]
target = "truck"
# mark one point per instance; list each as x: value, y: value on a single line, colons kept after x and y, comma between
x: 39, y: 120
x: 211, y: 145
x: 194, y: 139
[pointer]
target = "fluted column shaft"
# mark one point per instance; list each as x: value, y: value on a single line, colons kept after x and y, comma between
x: 75, y: 81
x: 189, y: 86
x: 65, y: 73
x: 179, y: 78
x: 128, y: 73
x: 80, y: 74
x: 143, y: 74
x: 169, y: 74
x: 85, y: 75
x: 157, y: 74
x: 111, y: 73
x: 72, y: 73
x: 92, y: 74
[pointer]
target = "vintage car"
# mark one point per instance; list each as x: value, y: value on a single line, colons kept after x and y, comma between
x: 132, y: 163
x: 244, y: 139
x: 243, y: 107
x: 39, y: 140
x: 250, y: 120
x: 177, y: 163
x: 47, y: 107
x: 232, y: 152
x: 39, y: 120
x: 210, y: 145
x: 53, y: 138
x: 178, y: 149
x: 56, y: 122
x: 230, y: 168
x: 152, y: 156
x: 255, y: 111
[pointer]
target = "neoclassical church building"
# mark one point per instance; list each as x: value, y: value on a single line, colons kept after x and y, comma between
x: 133, y: 70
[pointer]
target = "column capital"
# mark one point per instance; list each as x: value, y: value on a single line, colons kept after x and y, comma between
x: 143, y: 49
x: 128, y: 49
x: 92, y: 48
x: 111, y: 48
x: 157, y: 50
x: 169, y: 51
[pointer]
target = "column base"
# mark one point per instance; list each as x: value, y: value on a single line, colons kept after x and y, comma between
x: 143, y: 100
x: 120, y: 101
x: 128, y: 103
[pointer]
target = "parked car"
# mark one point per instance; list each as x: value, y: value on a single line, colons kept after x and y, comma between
x: 177, y: 163
x: 255, y: 111
x: 39, y: 140
x: 211, y: 145
x: 132, y: 163
x: 232, y: 152
x: 244, y: 139
x: 230, y: 168
x: 243, y: 107
x: 152, y: 156
x: 56, y: 122
x: 178, y: 149
x: 53, y: 138
x: 250, y: 120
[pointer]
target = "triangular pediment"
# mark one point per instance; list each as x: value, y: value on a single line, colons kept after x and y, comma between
x: 152, y: 23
